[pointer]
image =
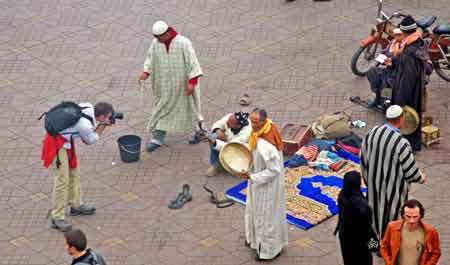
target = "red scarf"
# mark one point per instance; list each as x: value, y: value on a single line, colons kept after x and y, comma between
x: 173, y: 34
x: 50, y: 148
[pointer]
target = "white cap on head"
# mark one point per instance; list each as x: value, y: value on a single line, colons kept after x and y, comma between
x: 397, y: 31
x: 394, y: 112
x: 160, y: 27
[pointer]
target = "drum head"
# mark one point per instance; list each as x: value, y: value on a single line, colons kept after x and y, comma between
x: 235, y: 158
x: 411, y: 121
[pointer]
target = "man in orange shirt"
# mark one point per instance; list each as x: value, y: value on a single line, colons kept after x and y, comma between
x: 410, y: 240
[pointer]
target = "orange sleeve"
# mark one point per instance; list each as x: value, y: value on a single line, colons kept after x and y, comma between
x: 435, y: 249
x: 385, y: 247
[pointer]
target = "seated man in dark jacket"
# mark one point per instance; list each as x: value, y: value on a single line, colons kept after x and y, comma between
x: 382, y: 75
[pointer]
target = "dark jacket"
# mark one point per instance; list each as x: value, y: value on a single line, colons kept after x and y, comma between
x: 354, y: 223
x: 90, y: 257
x: 409, y: 84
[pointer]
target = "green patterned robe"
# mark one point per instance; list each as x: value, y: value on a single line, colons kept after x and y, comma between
x: 172, y: 110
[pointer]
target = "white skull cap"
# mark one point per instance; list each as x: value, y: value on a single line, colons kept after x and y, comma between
x: 160, y: 27
x: 393, y: 112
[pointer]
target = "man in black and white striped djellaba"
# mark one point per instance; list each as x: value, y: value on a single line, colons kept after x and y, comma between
x: 388, y: 167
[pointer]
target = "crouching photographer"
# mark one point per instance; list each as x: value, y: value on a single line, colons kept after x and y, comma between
x: 63, y: 124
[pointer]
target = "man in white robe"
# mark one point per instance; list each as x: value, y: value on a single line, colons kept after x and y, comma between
x: 175, y: 70
x: 233, y: 127
x: 265, y: 211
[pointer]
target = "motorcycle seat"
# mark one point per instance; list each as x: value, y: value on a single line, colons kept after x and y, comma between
x: 426, y: 21
x: 442, y: 29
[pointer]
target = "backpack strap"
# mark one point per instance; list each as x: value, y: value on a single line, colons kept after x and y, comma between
x: 88, y: 117
x: 42, y: 115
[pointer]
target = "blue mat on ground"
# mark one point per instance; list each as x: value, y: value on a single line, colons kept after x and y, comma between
x: 311, y: 195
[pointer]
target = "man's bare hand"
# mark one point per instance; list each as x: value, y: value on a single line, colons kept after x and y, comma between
x: 388, y: 61
x: 423, y: 177
x: 143, y: 76
x: 189, y: 90
x: 220, y: 135
x: 244, y: 175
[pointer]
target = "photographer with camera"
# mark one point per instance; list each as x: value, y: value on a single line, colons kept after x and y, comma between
x: 64, y: 123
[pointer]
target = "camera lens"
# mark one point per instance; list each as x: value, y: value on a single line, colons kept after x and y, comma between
x: 118, y: 115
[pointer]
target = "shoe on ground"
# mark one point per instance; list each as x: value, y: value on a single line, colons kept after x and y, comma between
x: 180, y: 201
x: 372, y: 103
x: 61, y: 225
x: 82, y: 210
x: 187, y: 192
x: 212, y: 171
x: 197, y: 137
x: 152, y: 147
x: 246, y: 244
x: 257, y: 258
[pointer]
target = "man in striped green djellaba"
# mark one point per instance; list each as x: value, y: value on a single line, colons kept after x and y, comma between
x: 388, y: 167
x: 172, y: 63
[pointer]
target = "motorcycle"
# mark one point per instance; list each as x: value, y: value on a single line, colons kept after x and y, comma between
x: 438, y: 41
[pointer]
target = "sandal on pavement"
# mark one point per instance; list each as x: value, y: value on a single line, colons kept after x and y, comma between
x: 245, y: 100
x: 182, y: 198
x: 218, y: 198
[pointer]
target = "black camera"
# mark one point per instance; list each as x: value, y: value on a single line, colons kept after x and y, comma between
x: 114, y: 116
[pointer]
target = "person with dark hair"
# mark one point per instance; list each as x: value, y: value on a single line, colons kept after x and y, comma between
x: 103, y: 108
x: 233, y: 127
x: 355, y: 218
x: 265, y: 210
x: 409, y: 83
x: 388, y: 167
x: 410, y: 240
x: 76, y: 246
x: 61, y: 150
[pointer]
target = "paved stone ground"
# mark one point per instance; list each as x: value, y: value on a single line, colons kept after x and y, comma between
x: 292, y: 58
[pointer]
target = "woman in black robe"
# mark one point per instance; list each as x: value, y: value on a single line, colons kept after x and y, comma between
x: 354, y: 222
x: 409, y: 84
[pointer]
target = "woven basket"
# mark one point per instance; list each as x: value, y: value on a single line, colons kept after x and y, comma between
x: 235, y: 158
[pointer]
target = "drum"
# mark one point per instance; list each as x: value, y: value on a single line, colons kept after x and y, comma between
x: 412, y: 120
x: 235, y: 158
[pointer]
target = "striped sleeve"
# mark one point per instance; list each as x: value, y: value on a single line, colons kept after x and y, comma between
x: 408, y: 163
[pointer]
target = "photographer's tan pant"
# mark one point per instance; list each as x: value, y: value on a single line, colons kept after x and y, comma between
x: 66, y: 187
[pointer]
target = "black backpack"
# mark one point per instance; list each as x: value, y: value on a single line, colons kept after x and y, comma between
x: 62, y: 116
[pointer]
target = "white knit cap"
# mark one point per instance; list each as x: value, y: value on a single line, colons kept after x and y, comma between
x: 393, y: 112
x: 397, y: 31
x: 160, y: 27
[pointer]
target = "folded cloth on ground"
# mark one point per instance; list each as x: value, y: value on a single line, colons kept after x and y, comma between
x: 324, y: 160
x: 296, y: 161
x: 338, y: 165
x: 323, y: 145
x: 309, y: 152
x: 348, y: 148
x: 351, y: 140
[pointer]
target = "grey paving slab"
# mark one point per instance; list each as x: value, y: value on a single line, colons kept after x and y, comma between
x: 290, y: 57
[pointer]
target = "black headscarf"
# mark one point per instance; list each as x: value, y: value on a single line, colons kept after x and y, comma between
x: 349, y: 195
x: 242, y: 119
x: 352, y: 184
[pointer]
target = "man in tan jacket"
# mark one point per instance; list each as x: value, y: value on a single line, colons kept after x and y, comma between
x: 410, y: 240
